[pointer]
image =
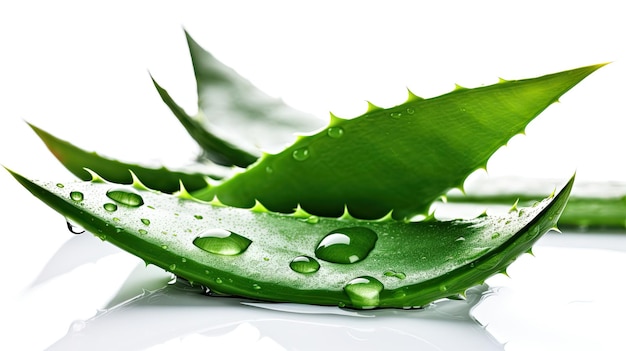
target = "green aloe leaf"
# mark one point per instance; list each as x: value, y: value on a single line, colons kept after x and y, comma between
x: 295, y: 258
x: 399, y: 159
x: 235, y: 119
x: 76, y: 160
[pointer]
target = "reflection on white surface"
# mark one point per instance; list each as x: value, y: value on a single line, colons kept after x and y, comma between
x: 563, y: 298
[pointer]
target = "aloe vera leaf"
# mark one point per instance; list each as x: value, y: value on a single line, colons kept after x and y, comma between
x: 76, y: 160
x: 591, y: 204
x: 402, y: 158
x: 215, y: 149
x: 235, y: 119
x: 250, y: 253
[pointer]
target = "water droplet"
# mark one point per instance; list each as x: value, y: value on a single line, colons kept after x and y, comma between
x: 460, y: 238
x: 364, y: 292
x: 218, y: 280
x: 399, y: 275
x: 410, y: 111
x: 396, y: 115
x: 143, y: 231
x: 145, y: 221
x: 312, y: 219
x: 164, y: 247
x: 304, y: 265
x: 256, y: 287
x: 269, y: 170
x: 59, y: 185
x: 77, y: 326
x: 346, y: 245
x: 301, y: 154
x: 172, y: 267
x: 335, y: 132
x: 125, y: 197
x: 198, y: 216
x: 495, y: 235
x: 222, y: 242
x: 76, y: 196
x: 110, y: 207
x: 74, y: 228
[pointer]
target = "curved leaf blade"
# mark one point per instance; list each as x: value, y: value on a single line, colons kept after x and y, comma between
x: 215, y: 149
x: 399, y: 159
x: 411, y: 264
x: 77, y: 160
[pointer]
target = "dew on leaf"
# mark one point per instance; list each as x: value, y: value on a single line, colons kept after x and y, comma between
x: 222, y: 242
x: 197, y: 216
x: 410, y: 111
x: 143, y: 231
x: 145, y: 221
x: 125, y: 197
x: 335, y: 132
x: 59, y: 185
x: 396, y: 115
x: 256, y: 287
x: 399, y: 275
x: 172, y: 267
x: 304, y: 265
x: 364, y: 292
x: 74, y: 228
x: 76, y: 196
x: 301, y: 154
x: 110, y: 207
x: 346, y: 245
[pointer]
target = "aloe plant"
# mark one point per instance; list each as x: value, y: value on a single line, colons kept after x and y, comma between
x: 328, y: 220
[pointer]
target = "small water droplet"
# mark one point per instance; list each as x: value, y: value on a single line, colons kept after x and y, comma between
x: 410, y: 111
x: 183, y: 260
x: 301, y: 154
x: 198, y: 216
x: 304, y: 265
x: 76, y: 196
x: 346, y: 245
x: 145, y: 221
x: 59, y: 185
x: 399, y: 275
x: 364, y: 292
x: 312, y: 219
x: 172, y: 267
x: 269, y: 170
x: 460, y: 238
x: 218, y: 280
x: 77, y: 326
x: 164, y: 247
x: 110, y: 207
x: 143, y: 231
x: 222, y: 242
x: 495, y: 235
x: 396, y: 115
x: 125, y: 197
x: 256, y: 287
x: 74, y: 228
x: 335, y: 132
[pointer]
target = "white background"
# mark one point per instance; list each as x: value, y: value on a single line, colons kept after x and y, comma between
x: 80, y: 70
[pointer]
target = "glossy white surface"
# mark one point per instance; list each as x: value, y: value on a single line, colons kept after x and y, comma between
x: 79, y: 71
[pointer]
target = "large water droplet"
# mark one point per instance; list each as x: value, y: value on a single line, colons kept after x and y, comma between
x: 76, y: 196
x: 110, y: 207
x: 222, y: 242
x: 125, y: 197
x: 304, y: 265
x: 301, y: 154
x: 364, y: 292
x: 335, y: 132
x: 74, y: 228
x: 346, y: 245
